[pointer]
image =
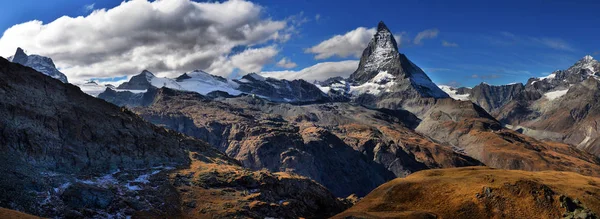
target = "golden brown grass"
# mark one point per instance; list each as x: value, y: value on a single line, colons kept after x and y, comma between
x: 11, y: 214
x: 453, y: 193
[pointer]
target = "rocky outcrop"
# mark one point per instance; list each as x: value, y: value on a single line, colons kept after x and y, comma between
x: 41, y: 64
x: 482, y: 193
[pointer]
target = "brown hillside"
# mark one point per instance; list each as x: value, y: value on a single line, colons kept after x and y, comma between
x: 481, y: 192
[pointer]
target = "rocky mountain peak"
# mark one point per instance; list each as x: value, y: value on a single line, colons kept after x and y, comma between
x: 142, y: 81
x: 147, y: 73
x: 382, y: 57
x: 382, y: 27
x: 41, y: 64
x: 19, y: 57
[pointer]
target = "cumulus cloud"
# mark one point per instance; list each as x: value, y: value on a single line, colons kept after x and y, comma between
x: 164, y: 36
x: 320, y: 71
x: 349, y: 44
x: 286, y: 63
x: 426, y: 34
x: 252, y: 60
x: 448, y: 44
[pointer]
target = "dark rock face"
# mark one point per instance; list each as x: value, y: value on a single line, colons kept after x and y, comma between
x: 138, y: 82
x: 492, y: 98
x: 41, y: 64
x: 53, y: 133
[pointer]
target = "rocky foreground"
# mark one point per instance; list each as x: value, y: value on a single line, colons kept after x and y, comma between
x: 67, y: 154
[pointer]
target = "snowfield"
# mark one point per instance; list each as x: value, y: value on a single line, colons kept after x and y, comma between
x: 452, y: 93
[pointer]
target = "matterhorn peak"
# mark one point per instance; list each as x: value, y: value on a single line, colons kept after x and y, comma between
x: 381, y: 57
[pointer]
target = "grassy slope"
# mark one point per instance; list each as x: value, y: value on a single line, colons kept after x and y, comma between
x: 478, y: 192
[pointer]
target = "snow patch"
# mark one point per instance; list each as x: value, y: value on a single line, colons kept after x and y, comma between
x: 555, y: 94
x: 452, y: 93
x: 382, y: 82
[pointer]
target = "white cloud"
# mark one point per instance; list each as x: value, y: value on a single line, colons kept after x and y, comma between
x: 252, y: 60
x: 286, y: 63
x: 320, y: 71
x: 426, y: 34
x: 350, y: 44
x: 167, y: 37
x: 317, y: 17
x: 448, y: 44
x: 90, y: 7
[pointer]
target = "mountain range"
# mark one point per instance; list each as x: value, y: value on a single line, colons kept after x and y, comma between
x: 385, y: 142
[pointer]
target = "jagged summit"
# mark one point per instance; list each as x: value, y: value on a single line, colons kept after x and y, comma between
x: 588, y: 58
x: 382, y: 27
x: 19, y: 57
x: 41, y: 64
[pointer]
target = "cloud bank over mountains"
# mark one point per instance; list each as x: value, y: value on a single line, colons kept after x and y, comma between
x: 170, y: 37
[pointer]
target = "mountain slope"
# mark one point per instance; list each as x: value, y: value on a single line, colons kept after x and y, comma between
x: 67, y: 154
x: 482, y: 193
x: 469, y: 127
x: 41, y: 64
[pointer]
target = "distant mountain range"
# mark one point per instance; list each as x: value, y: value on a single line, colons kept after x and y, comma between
x: 561, y: 107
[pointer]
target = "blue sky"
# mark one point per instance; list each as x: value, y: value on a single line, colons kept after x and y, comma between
x: 497, y: 42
